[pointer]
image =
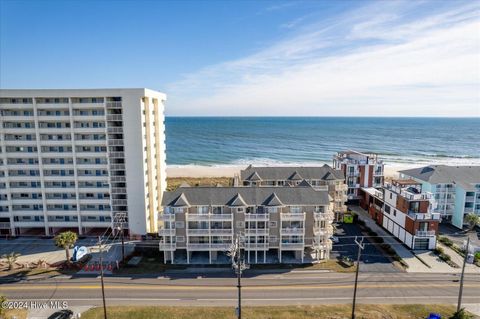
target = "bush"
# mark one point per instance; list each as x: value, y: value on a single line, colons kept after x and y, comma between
x: 477, y: 256
x: 446, y: 241
x: 461, y: 314
x: 438, y: 251
x: 445, y: 257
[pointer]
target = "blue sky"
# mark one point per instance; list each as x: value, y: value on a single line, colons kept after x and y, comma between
x: 392, y: 58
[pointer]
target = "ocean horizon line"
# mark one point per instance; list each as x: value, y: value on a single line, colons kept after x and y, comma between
x: 324, y: 116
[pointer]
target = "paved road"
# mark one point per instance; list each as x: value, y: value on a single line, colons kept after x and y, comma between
x: 297, y: 287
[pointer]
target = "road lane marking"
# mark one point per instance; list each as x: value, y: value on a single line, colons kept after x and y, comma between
x: 172, y: 287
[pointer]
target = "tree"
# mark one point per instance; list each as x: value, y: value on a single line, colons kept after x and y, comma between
x: 11, y: 259
x: 66, y: 240
x: 473, y: 220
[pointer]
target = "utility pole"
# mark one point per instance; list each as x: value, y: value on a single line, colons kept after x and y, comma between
x: 101, y: 277
x: 460, y: 292
x: 361, y: 246
x: 238, y: 263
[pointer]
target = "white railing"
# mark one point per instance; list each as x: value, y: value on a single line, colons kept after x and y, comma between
x: 253, y: 217
x: 424, y: 233
x: 221, y: 231
x: 420, y: 216
x: 167, y: 246
x: 166, y: 217
x: 198, y: 231
x: 292, y: 231
x: 292, y: 216
x: 166, y: 232
x: 288, y: 245
x: 256, y: 231
x: 249, y: 246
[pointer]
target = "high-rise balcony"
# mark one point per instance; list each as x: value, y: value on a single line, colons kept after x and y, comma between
x: 256, y: 231
x: 292, y: 231
x: 166, y: 232
x: 257, y: 217
x: 198, y: 231
x: 292, y: 216
x: 167, y: 246
x: 166, y: 217
x: 256, y: 246
x: 291, y: 245
x: 425, y: 233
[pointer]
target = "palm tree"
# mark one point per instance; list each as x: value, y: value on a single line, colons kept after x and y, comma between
x: 66, y: 240
x: 11, y: 259
x: 472, y: 219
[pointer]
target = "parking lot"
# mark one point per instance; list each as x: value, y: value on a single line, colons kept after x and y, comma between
x: 373, y: 259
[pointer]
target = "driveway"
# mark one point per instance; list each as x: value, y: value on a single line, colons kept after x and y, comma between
x: 373, y: 260
x: 459, y: 236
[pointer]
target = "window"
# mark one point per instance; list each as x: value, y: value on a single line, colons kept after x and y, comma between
x: 387, y: 209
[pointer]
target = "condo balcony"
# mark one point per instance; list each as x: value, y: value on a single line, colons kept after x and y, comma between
x: 423, y: 216
x: 208, y: 246
x: 167, y: 246
x: 198, y: 231
x: 166, y: 232
x: 4, y: 225
x: 166, y: 217
x: 285, y: 245
x: 256, y: 217
x: 292, y: 231
x: 256, y: 231
x: 292, y: 216
x: 256, y: 246
x: 425, y: 233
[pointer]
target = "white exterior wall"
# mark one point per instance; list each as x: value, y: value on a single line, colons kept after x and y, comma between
x: 135, y: 166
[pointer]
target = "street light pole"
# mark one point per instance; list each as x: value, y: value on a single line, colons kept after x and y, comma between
x: 101, y: 277
x: 360, y: 248
x: 235, y: 252
x: 460, y: 292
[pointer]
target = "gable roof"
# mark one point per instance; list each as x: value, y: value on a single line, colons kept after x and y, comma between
x: 273, y: 200
x: 466, y: 176
x: 304, y: 183
x: 246, y: 196
x: 237, y: 200
x: 180, y: 201
x: 254, y: 177
x: 273, y: 173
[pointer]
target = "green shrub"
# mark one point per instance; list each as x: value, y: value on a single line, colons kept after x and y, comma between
x: 446, y: 241
x: 477, y: 256
x: 438, y: 251
x: 445, y: 257
x: 461, y: 314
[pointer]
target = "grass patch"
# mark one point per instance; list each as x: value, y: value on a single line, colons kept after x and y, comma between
x: 16, y: 313
x: 174, y: 182
x: 148, y: 265
x: 333, y: 265
x: 277, y: 312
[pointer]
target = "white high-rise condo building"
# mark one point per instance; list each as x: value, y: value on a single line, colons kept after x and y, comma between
x: 79, y: 159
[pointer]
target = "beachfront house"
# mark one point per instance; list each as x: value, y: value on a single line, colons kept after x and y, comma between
x: 359, y: 170
x: 323, y: 178
x: 276, y: 224
x: 406, y: 210
x: 456, y: 189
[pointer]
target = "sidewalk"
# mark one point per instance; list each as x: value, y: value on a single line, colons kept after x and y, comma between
x: 414, y: 265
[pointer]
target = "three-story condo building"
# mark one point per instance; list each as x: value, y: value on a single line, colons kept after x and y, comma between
x: 78, y: 159
x: 319, y: 177
x: 456, y: 189
x: 360, y: 170
x: 406, y: 211
x: 277, y: 224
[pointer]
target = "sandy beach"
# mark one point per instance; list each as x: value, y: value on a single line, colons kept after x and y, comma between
x: 391, y: 171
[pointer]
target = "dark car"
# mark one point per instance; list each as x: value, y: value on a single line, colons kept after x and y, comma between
x: 62, y: 314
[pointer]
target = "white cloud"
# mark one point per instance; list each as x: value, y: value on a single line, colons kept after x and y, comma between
x: 397, y: 63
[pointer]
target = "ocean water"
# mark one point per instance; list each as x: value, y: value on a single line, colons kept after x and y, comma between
x: 217, y: 141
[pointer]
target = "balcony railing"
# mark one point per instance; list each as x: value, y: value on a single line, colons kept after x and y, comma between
x: 167, y: 217
x: 423, y: 216
x: 292, y: 216
x: 198, y: 231
x: 295, y: 246
x: 256, y: 231
x: 259, y: 217
x: 167, y: 246
x: 166, y: 232
x: 292, y: 231
x: 424, y: 233
x: 4, y: 225
x: 208, y: 246
x: 261, y: 246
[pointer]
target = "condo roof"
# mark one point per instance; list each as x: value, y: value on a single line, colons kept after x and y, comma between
x: 324, y: 172
x: 466, y: 176
x: 404, y: 182
x: 245, y: 196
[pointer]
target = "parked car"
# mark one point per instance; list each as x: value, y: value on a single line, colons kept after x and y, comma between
x: 62, y: 314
